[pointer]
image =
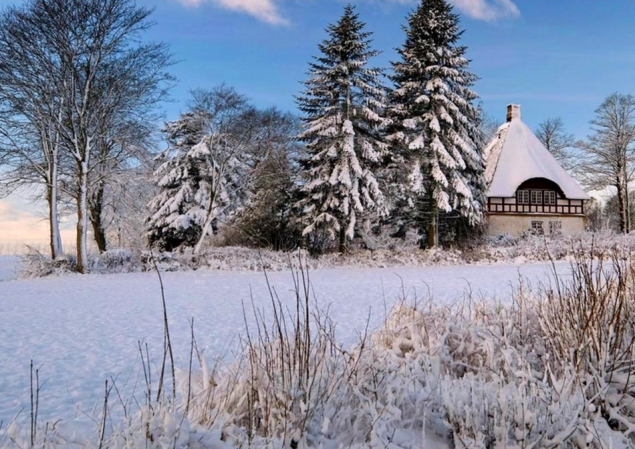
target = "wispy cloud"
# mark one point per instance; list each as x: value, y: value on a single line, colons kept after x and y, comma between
x: 268, y: 10
x: 488, y: 10
x: 265, y: 10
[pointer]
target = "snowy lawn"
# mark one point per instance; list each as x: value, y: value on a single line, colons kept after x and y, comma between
x: 82, y: 330
x: 8, y: 267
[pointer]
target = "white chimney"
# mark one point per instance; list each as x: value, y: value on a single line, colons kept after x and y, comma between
x: 513, y: 112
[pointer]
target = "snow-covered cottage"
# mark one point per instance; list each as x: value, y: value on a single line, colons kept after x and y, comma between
x: 528, y: 189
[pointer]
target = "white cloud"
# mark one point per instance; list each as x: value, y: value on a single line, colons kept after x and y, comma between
x: 268, y: 11
x: 488, y: 10
x: 264, y: 10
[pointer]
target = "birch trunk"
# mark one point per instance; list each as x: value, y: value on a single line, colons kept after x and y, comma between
x: 82, y: 217
x: 55, y: 238
x: 54, y: 225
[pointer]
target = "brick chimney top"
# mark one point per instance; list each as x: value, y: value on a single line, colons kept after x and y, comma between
x: 513, y: 112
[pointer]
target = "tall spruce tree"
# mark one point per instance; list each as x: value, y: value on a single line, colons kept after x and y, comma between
x: 342, y: 107
x: 435, y: 121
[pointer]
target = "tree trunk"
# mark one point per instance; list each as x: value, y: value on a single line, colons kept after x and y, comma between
x: 342, y: 248
x: 50, y: 147
x: 627, y: 208
x: 96, y: 205
x: 55, y: 238
x: 207, y: 224
x: 620, y: 204
x: 54, y: 224
x: 433, y: 232
x: 82, y: 217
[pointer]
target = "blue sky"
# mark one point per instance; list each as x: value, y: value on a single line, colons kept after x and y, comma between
x: 554, y: 57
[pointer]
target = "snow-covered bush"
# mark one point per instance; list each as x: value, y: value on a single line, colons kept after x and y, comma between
x: 488, y: 377
x: 163, y: 427
x: 282, y: 389
x: 385, y: 252
x: 115, y: 261
x: 589, y: 326
x: 524, y: 412
x: 45, y: 436
x: 36, y: 265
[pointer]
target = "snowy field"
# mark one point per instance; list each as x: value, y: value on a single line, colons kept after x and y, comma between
x: 82, y: 330
x: 8, y: 266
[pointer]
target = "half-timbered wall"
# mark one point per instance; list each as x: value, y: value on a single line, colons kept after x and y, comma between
x: 537, y: 196
x: 510, y: 205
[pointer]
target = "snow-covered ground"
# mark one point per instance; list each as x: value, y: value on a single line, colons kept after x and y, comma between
x: 8, y: 267
x: 82, y: 330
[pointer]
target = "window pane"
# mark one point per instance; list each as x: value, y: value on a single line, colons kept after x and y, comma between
x: 536, y: 197
x: 555, y: 227
x: 522, y: 197
x: 536, y: 228
x: 550, y: 197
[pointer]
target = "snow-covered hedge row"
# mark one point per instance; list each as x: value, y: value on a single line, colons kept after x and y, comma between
x: 35, y: 264
x: 395, y: 253
x: 554, y: 367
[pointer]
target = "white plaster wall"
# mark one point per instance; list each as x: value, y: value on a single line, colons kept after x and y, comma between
x: 515, y: 225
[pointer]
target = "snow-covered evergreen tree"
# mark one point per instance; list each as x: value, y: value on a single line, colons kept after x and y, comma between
x: 342, y: 107
x: 204, y: 170
x: 435, y: 121
x: 176, y: 216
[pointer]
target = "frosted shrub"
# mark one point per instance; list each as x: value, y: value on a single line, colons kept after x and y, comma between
x: 589, y: 325
x: 283, y: 385
x: 116, y: 261
x: 283, y: 393
x: 47, y: 436
x: 457, y: 341
x: 162, y: 427
x: 166, y: 261
x: 389, y: 400
x: 482, y: 376
x: 522, y: 413
x: 36, y: 265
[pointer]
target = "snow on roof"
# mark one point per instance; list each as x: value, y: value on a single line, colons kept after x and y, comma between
x: 515, y: 155
x: 492, y: 152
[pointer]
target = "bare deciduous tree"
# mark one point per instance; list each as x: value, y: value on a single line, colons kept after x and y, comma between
x: 30, y: 110
x: 609, y: 153
x: 487, y: 124
x: 267, y: 219
x: 81, y: 70
x: 227, y: 145
x: 123, y: 150
x: 557, y: 140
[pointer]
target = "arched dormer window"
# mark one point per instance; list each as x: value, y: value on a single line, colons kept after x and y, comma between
x: 539, y: 192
